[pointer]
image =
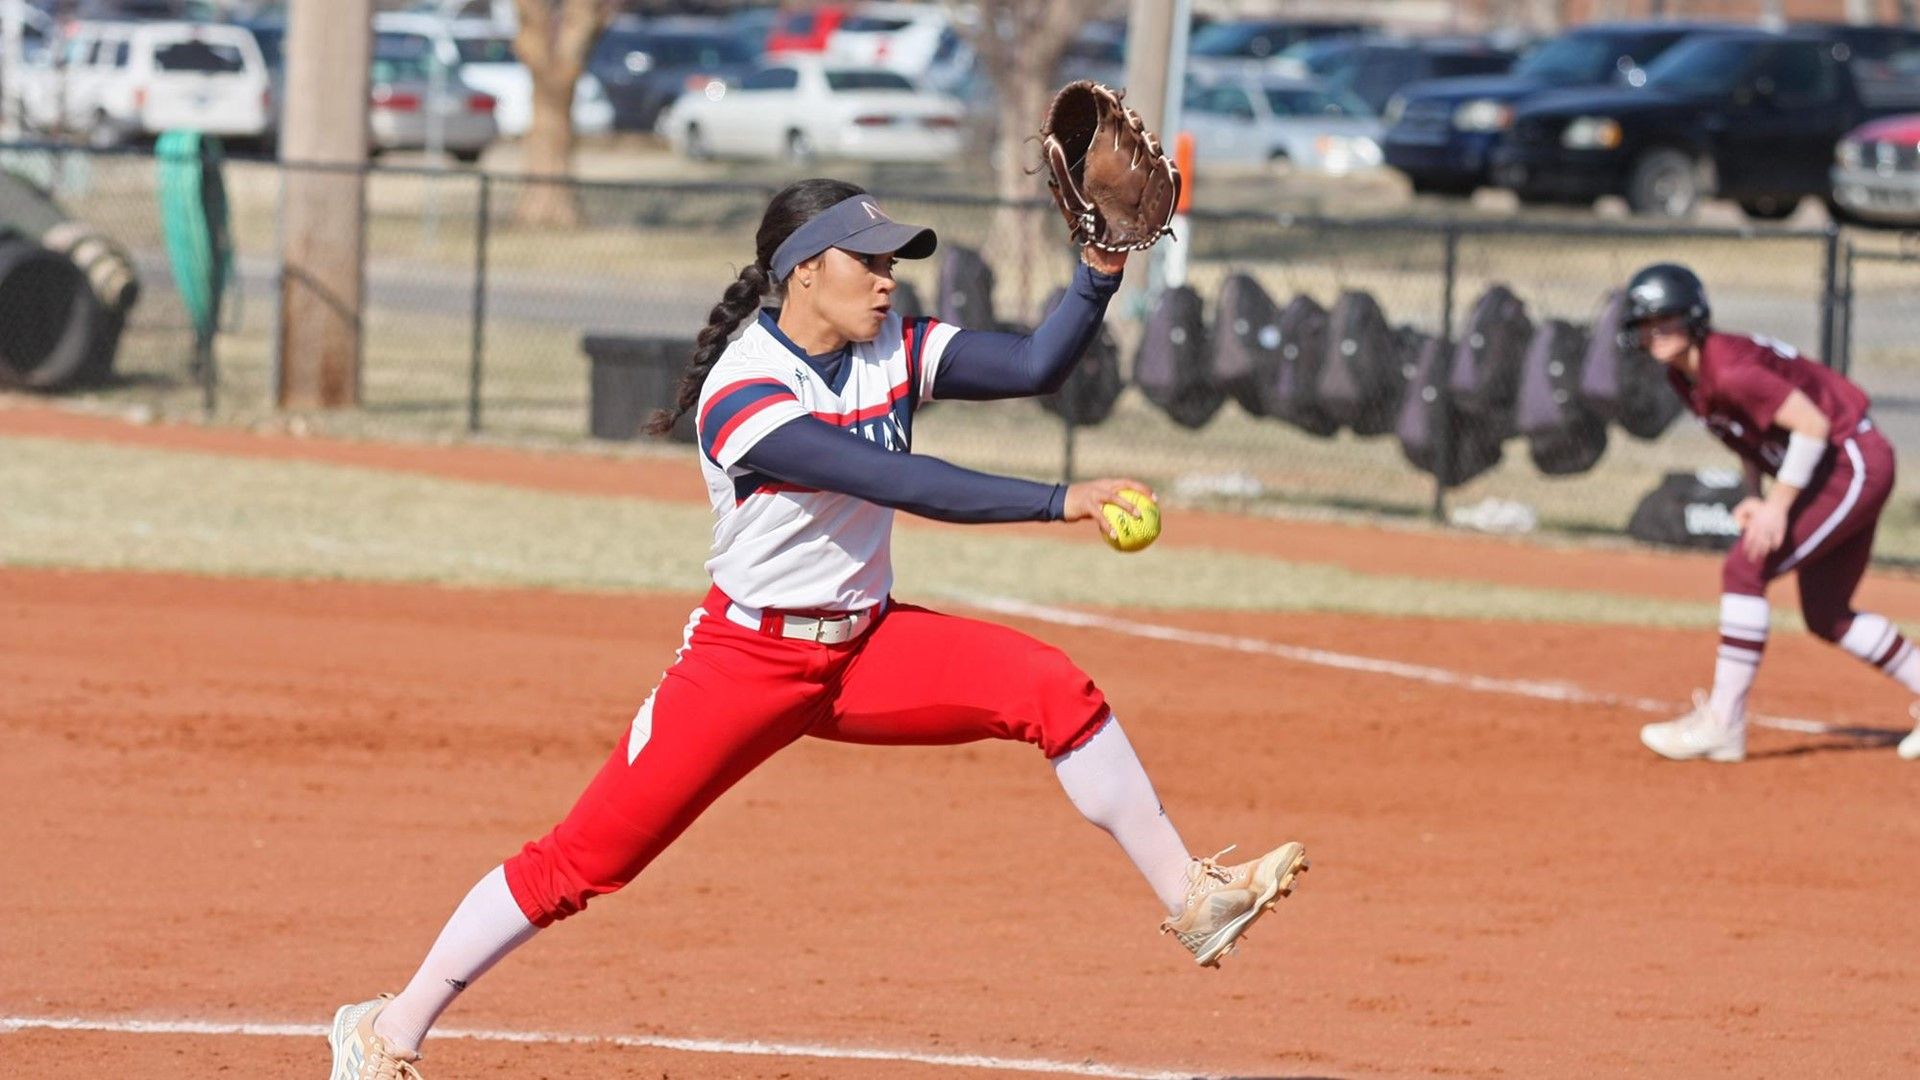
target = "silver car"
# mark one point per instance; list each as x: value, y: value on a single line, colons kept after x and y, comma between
x: 1256, y: 120
x: 401, y: 101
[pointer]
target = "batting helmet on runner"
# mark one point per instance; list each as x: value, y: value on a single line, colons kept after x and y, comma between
x: 1664, y: 289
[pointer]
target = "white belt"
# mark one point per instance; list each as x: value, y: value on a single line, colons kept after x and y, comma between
x: 821, y: 630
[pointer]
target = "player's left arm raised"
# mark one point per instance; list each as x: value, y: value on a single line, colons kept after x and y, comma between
x: 1807, y: 432
x: 982, y: 365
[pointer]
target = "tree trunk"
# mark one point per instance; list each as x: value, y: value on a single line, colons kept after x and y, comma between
x: 1020, y: 43
x: 553, y: 41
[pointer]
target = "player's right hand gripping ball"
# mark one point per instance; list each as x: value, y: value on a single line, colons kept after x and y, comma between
x: 1132, y: 533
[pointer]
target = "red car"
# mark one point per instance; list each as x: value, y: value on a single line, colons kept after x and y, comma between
x: 1876, y: 172
x: 805, y: 31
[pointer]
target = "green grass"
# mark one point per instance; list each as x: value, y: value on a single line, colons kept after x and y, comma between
x: 96, y: 506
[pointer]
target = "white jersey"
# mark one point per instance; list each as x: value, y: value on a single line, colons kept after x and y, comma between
x: 797, y: 549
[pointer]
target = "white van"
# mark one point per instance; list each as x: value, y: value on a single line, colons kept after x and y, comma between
x: 116, y: 81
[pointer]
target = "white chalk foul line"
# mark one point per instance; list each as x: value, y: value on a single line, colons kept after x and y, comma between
x: 1482, y: 684
x: 751, y: 1048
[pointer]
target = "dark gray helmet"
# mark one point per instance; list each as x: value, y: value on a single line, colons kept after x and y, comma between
x: 1665, y: 289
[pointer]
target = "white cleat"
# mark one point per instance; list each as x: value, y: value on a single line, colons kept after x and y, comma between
x: 1700, y: 734
x: 359, y: 1054
x: 1222, y: 901
x: 1909, y: 749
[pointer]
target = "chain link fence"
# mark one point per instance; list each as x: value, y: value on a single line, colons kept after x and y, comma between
x: 474, y: 324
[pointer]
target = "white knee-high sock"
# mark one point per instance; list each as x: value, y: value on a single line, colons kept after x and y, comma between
x: 1743, y: 641
x: 486, y: 926
x: 1873, y: 639
x: 1104, y: 779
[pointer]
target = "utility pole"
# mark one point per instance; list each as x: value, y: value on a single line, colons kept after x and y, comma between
x: 1150, y: 39
x: 323, y: 150
x: 12, y: 22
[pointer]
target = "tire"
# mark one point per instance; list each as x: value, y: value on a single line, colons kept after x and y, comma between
x: 1448, y: 189
x: 799, y: 148
x: 1770, y: 208
x: 469, y: 156
x: 1664, y: 182
x: 50, y: 320
x: 104, y: 133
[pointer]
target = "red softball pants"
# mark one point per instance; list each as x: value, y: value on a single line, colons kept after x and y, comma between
x: 735, y: 695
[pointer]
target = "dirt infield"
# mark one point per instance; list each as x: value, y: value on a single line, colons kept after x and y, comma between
x: 239, y: 802
x: 242, y: 801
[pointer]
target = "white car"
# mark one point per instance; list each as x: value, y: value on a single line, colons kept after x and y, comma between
x: 804, y: 108
x: 116, y: 81
x: 488, y: 63
x: 905, y: 38
x: 1300, y: 123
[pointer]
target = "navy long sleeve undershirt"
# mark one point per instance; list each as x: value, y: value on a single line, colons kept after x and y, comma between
x: 976, y: 366
x: 983, y: 365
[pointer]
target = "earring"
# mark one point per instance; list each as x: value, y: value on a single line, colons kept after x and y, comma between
x: 806, y: 283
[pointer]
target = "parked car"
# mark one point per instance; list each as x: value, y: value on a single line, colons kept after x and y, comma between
x: 1257, y: 121
x: 800, y: 108
x: 1375, y: 68
x: 1313, y: 58
x: 119, y: 81
x: 1748, y: 115
x: 1885, y: 61
x: 1876, y: 173
x: 896, y: 36
x: 1098, y: 51
x: 489, y: 64
x: 1441, y: 133
x: 644, y: 69
x: 1250, y: 46
x: 806, y: 30
x: 400, y: 100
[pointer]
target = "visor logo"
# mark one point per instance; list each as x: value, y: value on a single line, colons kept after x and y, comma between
x: 874, y: 213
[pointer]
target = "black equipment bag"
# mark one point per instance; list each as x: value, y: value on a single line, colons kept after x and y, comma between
x: 1246, y: 342
x: 1363, y: 373
x: 965, y: 292
x: 1692, y: 510
x: 1563, y: 435
x: 1470, y: 450
x: 1624, y: 384
x: 1171, y: 365
x: 1485, y: 377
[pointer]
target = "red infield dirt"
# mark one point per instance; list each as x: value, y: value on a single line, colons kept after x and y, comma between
x: 246, y: 801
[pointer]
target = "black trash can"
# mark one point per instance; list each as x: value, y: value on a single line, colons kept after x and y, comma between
x: 630, y: 377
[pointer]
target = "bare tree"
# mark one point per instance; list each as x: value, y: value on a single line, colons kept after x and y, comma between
x: 553, y: 40
x: 1020, y: 44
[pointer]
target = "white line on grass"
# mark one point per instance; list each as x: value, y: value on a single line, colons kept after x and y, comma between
x: 1482, y: 684
x: 752, y: 1048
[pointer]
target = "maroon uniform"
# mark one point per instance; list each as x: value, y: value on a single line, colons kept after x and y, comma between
x: 1741, y: 384
x: 1744, y: 380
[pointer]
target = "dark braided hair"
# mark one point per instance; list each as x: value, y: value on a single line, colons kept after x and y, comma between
x: 794, y: 206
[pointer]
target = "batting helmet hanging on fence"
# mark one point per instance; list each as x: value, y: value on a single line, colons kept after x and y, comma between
x: 1666, y: 289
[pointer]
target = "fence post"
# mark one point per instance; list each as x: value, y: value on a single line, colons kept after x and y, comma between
x: 481, y: 230
x: 1066, y: 457
x: 1829, y: 298
x: 1844, y: 305
x: 1443, y: 393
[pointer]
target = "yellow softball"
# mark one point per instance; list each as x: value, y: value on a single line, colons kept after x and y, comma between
x: 1132, y: 533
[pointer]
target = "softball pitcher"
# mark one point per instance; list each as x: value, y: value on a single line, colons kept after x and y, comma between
x: 805, y: 427
x: 1806, y: 426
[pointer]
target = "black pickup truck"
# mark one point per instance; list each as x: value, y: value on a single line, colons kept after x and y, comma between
x: 1748, y: 115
